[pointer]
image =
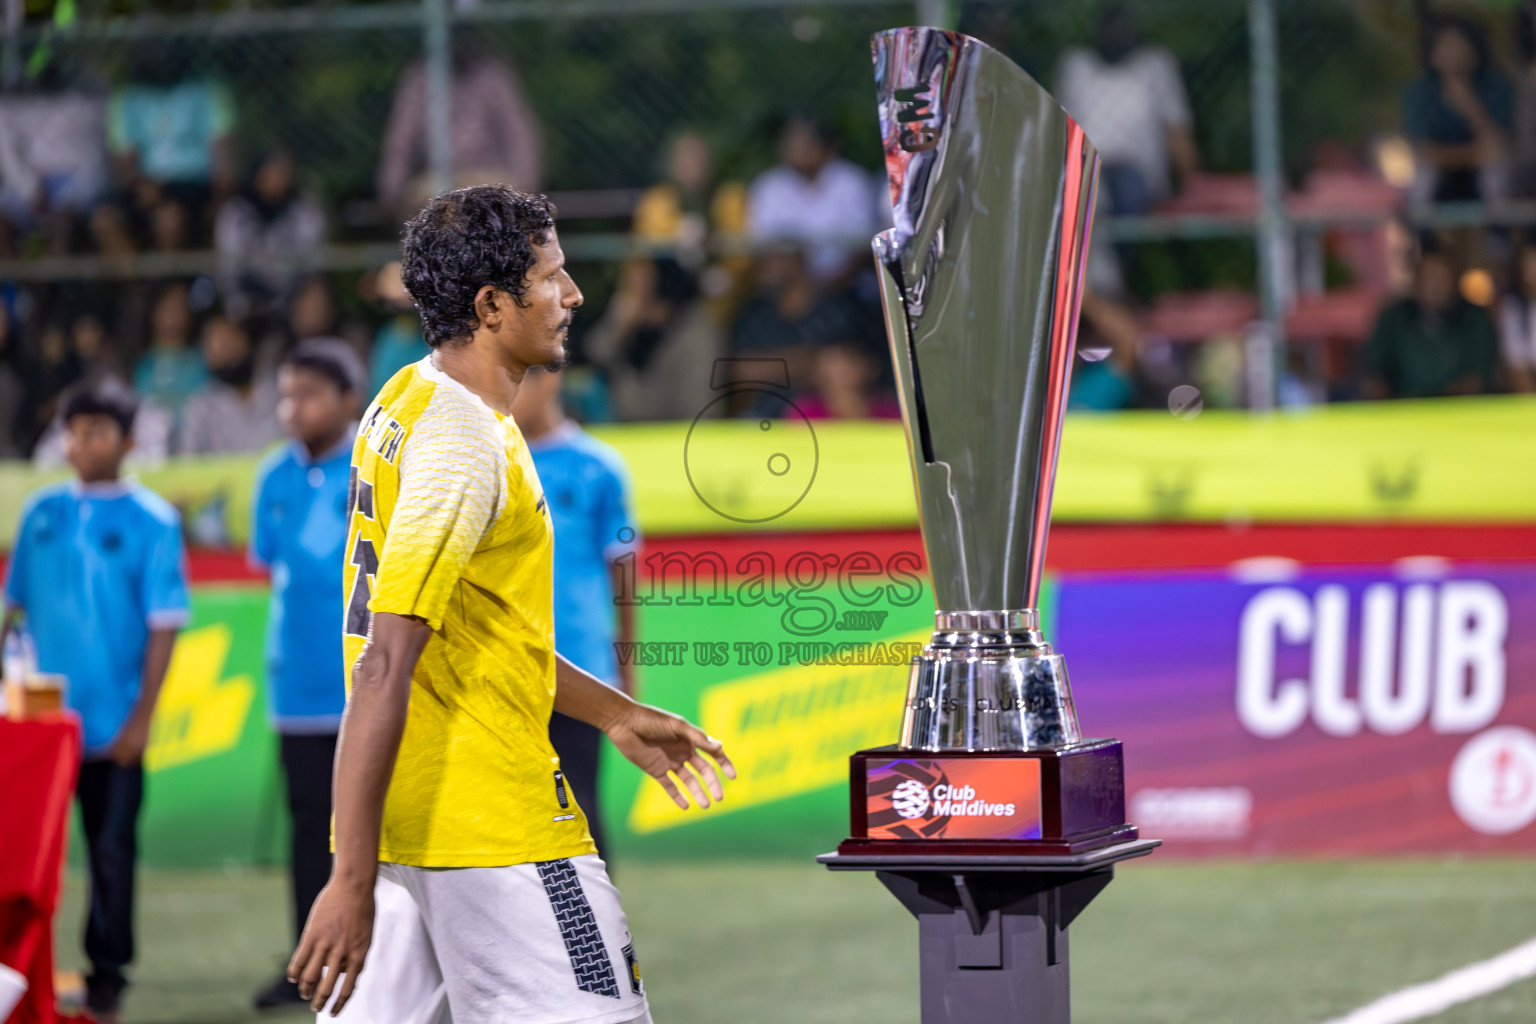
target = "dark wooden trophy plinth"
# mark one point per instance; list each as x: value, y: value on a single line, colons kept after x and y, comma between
x: 1059, y: 802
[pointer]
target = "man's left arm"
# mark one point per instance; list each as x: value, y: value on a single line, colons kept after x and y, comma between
x: 659, y: 742
x: 625, y: 637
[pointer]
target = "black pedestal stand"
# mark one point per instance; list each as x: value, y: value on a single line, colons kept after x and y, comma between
x: 992, y: 930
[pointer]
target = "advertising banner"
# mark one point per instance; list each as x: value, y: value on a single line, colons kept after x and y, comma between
x: 212, y: 794
x: 1270, y: 708
x: 1371, y: 711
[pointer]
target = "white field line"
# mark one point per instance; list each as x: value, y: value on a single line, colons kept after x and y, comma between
x: 1462, y: 985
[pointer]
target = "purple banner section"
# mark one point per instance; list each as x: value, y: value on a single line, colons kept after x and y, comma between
x: 1322, y: 712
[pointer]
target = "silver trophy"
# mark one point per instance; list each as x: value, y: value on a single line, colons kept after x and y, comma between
x: 993, y: 186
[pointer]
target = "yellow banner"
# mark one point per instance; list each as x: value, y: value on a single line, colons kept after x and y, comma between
x: 1458, y: 460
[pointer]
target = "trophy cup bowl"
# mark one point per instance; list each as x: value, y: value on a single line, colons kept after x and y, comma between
x: 992, y: 188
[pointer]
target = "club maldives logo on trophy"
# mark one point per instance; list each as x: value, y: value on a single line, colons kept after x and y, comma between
x: 931, y: 799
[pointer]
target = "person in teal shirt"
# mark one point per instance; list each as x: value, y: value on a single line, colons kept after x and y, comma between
x: 99, y: 572
x: 397, y: 345
x: 171, y: 370
x: 299, y: 532
x: 399, y: 342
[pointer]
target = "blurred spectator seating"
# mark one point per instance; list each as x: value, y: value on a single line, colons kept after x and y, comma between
x: 169, y: 130
x: 1522, y: 146
x: 53, y: 156
x: 1343, y: 313
x: 1458, y: 113
x: 11, y: 386
x: 844, y: 375
x: 818, y: 200
x: 399, y: 341
x: 694, y: 216
x: 170, y: 370
x: 1195, y: 316
x: 1129, y: 97
x: 657, y: 341
x: 235, y: 410
x: 1432, y: 342
x: 1517, y: 321
x: 788, y: 318
x: 496, y: 136
x: 264, y: 235
x: 1206, y: 194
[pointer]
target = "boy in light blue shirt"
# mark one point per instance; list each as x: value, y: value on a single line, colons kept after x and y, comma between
x: 299, y: 530
x: 99, y: 571
x: 587, y: 486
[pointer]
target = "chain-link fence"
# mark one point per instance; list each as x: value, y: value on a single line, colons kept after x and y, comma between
x: 237, y: 157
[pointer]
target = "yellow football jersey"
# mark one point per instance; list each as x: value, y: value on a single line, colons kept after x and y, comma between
x: 449, y: 524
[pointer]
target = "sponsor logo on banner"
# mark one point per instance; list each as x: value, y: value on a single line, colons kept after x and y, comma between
x: 953, y: 798
x: 200, y: 713
x: 1424, y: 653
x: 1207, y: 812
x: 1493, y: 781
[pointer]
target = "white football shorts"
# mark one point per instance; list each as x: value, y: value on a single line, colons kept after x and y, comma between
x: 531, y: 943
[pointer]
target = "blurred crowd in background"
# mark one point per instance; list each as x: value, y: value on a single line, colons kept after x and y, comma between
x: 734, y: 255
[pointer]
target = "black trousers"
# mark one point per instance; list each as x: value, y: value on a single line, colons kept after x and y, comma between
x: 110, y: 796
x: 578, y: 745
x: 307, y: 766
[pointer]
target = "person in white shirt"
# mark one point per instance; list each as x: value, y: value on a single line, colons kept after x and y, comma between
x: 1517, y: 322
x: 818, y: 199
x: 1130, y: 100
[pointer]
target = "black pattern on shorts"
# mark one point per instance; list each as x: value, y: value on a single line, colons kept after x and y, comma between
x: 578, y: 927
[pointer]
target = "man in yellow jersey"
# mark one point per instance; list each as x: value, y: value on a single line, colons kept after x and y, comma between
x: 461, y: 858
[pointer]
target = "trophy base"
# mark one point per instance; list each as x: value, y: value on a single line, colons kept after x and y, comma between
x: 1054, y: 802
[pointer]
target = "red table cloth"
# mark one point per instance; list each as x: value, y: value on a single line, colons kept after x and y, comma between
x: 38, y: 765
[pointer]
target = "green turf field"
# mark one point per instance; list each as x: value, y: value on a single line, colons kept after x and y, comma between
x: 734, y: 943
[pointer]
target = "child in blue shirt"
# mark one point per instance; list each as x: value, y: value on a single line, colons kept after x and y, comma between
x: 99, y: 571
x: 299, y: 531
x: 587, y: 487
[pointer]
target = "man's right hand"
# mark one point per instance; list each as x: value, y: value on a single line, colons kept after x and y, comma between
x: 335, y: 943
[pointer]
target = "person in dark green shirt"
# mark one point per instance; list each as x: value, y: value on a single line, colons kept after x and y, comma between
x: 1434, y: 342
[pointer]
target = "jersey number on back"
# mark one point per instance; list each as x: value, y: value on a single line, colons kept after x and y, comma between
x: 359, y: 618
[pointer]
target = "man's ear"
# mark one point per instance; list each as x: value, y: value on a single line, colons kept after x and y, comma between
x: 128, y: 443
x: 487, y: 309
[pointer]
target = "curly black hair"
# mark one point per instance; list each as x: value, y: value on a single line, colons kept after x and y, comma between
x: 464, y: 240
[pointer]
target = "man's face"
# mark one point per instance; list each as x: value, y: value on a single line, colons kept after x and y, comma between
x: 535, y: 330
x: 313, y: 410
x: 224, y: 343
x: 1452, y: 54
x: 95, y: 446
x: 171, y: 319
x: 802, y: 149
x: 1436, y: 285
